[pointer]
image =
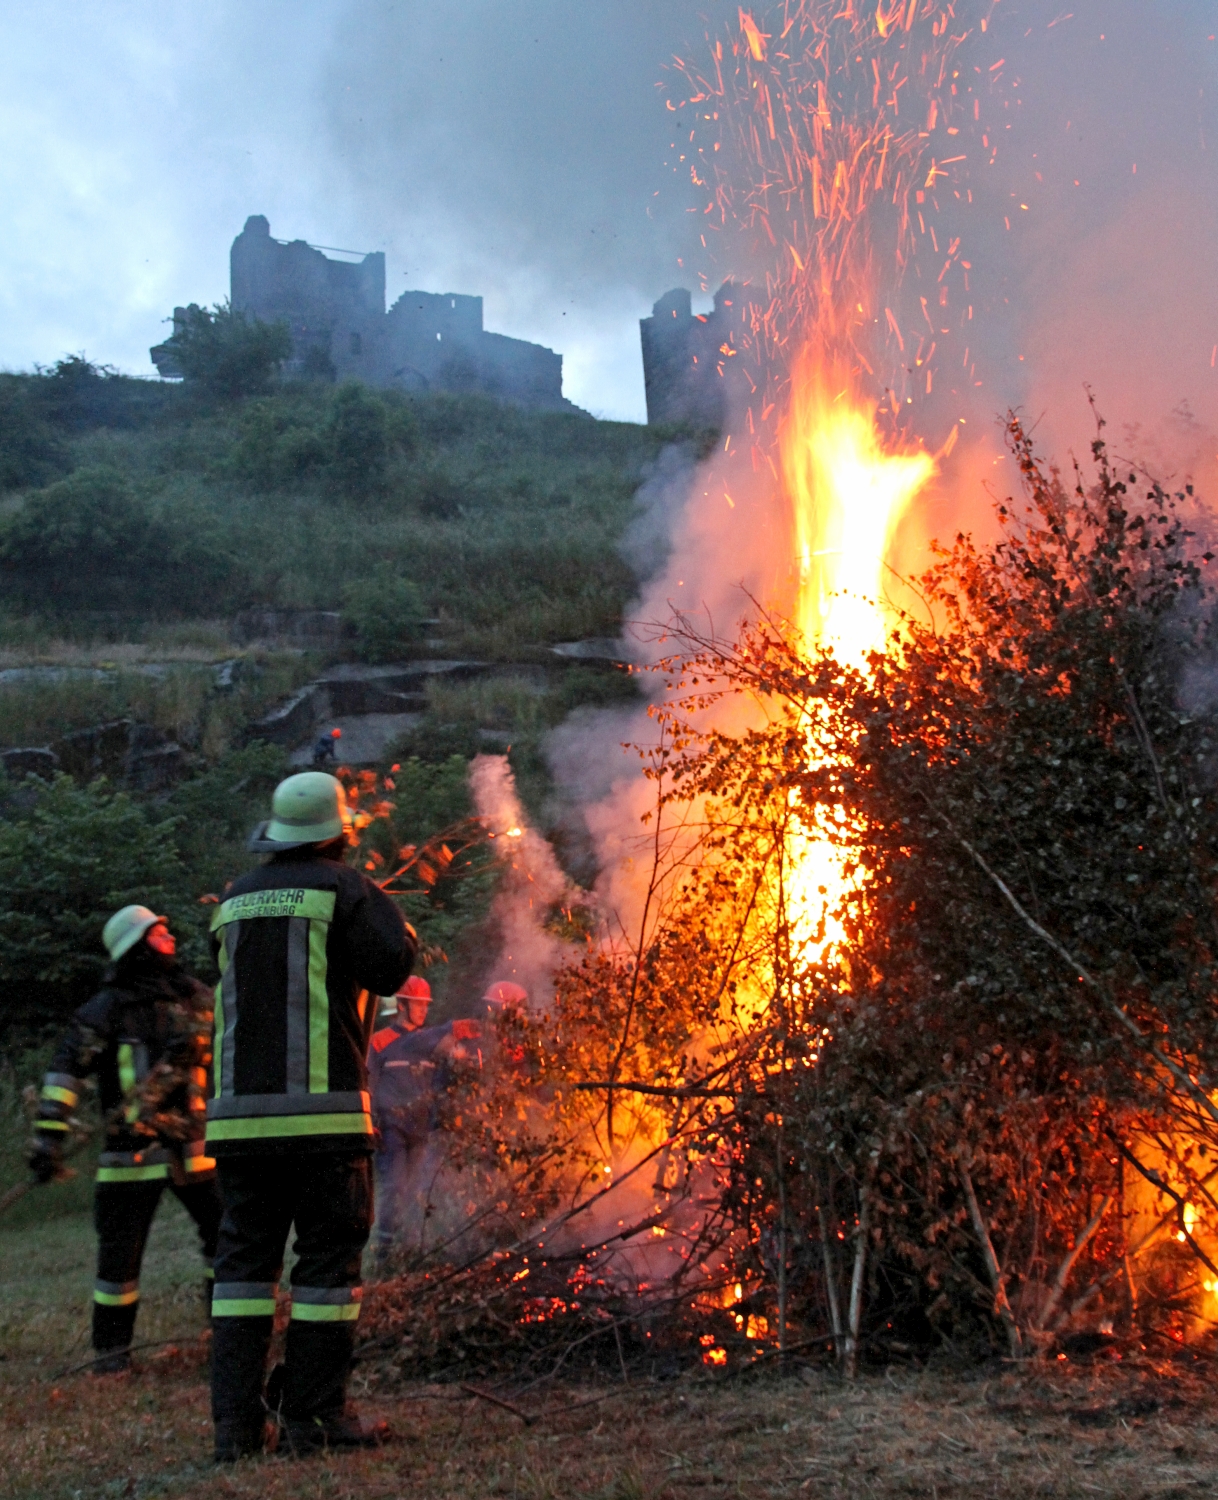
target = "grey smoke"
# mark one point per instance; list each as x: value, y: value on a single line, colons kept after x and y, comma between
x: 659, y: 501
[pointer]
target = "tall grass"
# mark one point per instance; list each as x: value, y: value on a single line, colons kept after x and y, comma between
x: 506, y: 520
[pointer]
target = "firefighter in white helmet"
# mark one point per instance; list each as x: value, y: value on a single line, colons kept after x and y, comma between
x: 146, y: 1037
x: 303, y: 944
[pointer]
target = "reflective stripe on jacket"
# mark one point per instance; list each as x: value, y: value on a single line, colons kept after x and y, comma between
x: 303, y: 946
x: 146, y: 1038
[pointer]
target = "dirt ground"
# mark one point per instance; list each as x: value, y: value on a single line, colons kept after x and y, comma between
x: 1136, y: 1428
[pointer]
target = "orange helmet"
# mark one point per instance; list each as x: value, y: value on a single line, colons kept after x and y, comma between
x: 415, y: 988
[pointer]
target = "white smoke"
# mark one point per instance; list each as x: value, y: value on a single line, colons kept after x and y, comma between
x: 532, y: 883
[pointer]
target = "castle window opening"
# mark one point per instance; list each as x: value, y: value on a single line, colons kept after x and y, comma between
x: 357, y: 344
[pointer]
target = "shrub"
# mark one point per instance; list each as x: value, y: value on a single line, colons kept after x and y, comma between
x: 69, y: 858
x: 77, y: 394
x: 387, y: 611
x: 226, y: 354
x: 216, y: 811
x: 30, y: 450
x: 275, y: 447
x: 91, y: 541
x: 359, y: 440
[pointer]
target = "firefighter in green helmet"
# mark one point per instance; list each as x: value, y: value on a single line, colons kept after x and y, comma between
x: 304, y: 946
x: 146, y: 1036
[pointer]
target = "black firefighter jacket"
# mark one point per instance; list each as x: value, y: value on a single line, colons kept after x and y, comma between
x: 147, y: 1037
x: 304, y: 945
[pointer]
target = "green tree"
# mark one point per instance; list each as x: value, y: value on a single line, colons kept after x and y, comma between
x: 387, y: 610
x: 69, y: 858
x: 227, y: 355
x: 92, y: 541
x: 359, y: 440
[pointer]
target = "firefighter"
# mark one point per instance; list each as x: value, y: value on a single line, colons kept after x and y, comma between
x: 146, y: 1035
x: 326, y: 748
x: 304, y: 944
x: 409, y: 1068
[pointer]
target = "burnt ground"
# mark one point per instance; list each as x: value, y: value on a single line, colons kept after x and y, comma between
x: 1134, y: 1427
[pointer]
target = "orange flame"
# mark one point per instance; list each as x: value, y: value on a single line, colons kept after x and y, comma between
x: 847, y: 495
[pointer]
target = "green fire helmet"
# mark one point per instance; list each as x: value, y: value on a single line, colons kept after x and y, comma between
x: 126, y: 927
x: 309, y: 808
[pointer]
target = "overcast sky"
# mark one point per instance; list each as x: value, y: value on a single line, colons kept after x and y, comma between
x: 516, y: 149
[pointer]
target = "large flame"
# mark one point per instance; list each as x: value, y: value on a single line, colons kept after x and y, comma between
x: 847, y: 494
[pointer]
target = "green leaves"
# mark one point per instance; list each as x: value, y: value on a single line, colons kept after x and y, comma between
x: 224, y: 353
x: 73, y: 857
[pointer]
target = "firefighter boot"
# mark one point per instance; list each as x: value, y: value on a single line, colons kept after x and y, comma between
x: 314, y: 1410
x: 113, y: 1326
x: 239, y: 1350
x: 344, y: 1429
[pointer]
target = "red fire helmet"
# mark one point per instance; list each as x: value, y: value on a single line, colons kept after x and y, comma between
x: 336, y: 734
x: 505, y: 994
x: 415, y: 988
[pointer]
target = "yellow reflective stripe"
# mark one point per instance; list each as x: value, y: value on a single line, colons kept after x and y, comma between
x: 53, y: 1092
x: 127, y: 1080
x: 217, y: 1026
x: 116, y: 1299
x: 315, y: 1312
x: 133, y: 1174
x: 243, y: 1307
x: 261, y: 1126
x: 316, y: 906
x: 51, y: 1125
x: 319, y: 1011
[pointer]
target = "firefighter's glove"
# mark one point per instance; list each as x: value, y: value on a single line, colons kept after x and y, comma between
x: 45, y: 1158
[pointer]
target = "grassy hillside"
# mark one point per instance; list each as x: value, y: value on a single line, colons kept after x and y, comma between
x: 129, y: 503
x: 137, y: 517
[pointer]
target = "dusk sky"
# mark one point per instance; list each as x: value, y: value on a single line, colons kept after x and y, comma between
x: 518, y: 151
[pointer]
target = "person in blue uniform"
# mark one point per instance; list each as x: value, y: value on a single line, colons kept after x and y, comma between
x: 409, y: 1070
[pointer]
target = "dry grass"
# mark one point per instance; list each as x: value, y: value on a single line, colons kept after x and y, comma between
x: 1136, y: 1427
x: 1131, y: 1432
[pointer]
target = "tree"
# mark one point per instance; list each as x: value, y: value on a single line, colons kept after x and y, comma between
x: 1018, y: 1017
x: 359, y: 440
x: 92, y: 541
x: 224, y: 353
x: 70, y: 857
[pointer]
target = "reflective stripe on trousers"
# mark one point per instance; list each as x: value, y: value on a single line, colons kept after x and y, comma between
x: 116, y: 1293
x: 310, y: 1304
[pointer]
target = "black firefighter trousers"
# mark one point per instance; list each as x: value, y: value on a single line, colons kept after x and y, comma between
x: 122, y: 1216
x: 328, y: 1196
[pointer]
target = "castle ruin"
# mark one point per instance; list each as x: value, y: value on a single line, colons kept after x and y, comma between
x: 691, y: 362
x: 335, y: 309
